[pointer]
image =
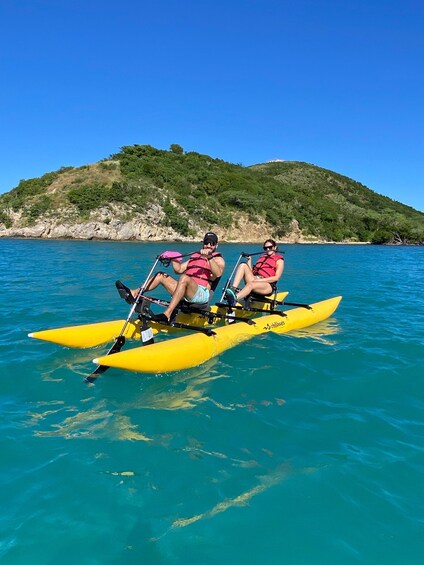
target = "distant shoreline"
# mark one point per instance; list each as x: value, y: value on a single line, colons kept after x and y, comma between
x: 197, y: 240
x: 247, y: 242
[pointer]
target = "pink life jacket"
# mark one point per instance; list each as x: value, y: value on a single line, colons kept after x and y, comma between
x: 199, y: 270
x: 266, y: 266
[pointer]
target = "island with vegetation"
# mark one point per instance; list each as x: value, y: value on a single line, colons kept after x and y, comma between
x: 148, y: 194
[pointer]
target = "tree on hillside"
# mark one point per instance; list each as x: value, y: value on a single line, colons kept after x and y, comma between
x: 177, y: 149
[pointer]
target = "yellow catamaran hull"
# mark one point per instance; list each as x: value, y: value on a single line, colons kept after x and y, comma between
x: 195, y: 349
x: 92, y: 335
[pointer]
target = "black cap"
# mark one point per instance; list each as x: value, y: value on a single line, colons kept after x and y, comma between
x: 212, y: 237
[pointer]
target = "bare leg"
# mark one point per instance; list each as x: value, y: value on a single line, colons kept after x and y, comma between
x: 243, y: 272
x: 159, y: 278
x: 186, y: 286
x: 255, y: 286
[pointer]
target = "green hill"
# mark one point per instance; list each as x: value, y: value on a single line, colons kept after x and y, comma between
x: 189, y: 193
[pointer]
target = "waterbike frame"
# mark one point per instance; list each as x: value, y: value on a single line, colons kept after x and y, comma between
x: 145, y: 316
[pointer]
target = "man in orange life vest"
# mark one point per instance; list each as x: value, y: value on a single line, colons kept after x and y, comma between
x: 194, y: 284
x: 261, y: 277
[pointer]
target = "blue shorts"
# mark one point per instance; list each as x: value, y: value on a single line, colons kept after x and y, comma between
x: 201, y: 296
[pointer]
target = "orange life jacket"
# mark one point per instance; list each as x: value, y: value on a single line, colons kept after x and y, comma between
x: 199, y: 270
x: 266, y: 266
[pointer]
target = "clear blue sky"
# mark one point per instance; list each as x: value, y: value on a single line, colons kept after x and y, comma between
x: 336, y: 83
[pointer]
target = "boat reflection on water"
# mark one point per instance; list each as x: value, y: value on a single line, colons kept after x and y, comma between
x: 319, y: 332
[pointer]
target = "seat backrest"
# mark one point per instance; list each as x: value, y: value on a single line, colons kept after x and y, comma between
x: 214, y: 284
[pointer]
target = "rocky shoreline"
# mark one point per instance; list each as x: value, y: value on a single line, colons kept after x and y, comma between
x: 132, y: 232
x: 109, y: 225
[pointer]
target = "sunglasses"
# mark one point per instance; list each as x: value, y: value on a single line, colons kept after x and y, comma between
x: 211, y: 243
x: 267, y: 247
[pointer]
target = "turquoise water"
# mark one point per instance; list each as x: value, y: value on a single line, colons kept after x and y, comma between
x: 295, y: 449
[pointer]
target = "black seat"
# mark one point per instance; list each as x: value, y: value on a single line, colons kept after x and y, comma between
x: 265, y: 298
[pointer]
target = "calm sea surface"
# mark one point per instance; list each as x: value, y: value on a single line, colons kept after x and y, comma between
x: 290, y: 449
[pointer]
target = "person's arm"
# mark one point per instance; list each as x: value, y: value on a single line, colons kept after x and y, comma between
x: 217, y: 265
x: 178, y: 267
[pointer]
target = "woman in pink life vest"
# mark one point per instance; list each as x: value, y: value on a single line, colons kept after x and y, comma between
x: 194, y: 283
x: 260, y: 278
